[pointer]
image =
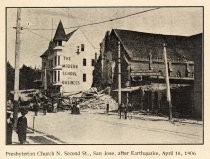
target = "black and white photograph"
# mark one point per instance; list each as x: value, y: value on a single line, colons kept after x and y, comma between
x: 104, y: 75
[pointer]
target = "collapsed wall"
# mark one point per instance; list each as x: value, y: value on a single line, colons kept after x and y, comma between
x: 100, y: 102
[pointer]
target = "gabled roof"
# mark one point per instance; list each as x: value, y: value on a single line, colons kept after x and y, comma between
x: 68, y: 36
x: 50, y: 47
x: 52, y: 43
x: 45, y: 54
x: 140, y: 44
x: 60, y: 34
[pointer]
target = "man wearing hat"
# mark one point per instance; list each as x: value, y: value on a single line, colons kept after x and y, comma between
x: 22, y: 127
x: 10, y: 125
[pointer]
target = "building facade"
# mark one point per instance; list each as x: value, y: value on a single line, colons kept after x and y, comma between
x: 143, y: 70
x: 68, y: 63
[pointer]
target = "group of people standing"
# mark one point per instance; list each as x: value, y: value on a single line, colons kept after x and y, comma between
x: 21, y: 128
x: 40, y: 99
x: 123, y: 109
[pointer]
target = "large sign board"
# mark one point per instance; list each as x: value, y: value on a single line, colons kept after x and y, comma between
x: 145, y: 73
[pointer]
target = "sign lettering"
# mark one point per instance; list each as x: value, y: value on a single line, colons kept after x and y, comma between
x: 67, y: 58
x: 70, y: 82
x: 69, y: 66
x: 70, y: 73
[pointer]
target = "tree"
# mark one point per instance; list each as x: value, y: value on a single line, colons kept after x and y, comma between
x: 10, y: 77
x: 27, y: 77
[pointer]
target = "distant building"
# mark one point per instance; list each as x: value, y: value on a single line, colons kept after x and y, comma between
x: 143, y: 70
x: 68, y: 63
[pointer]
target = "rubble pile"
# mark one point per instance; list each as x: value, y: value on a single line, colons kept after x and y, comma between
x: 99, y: 102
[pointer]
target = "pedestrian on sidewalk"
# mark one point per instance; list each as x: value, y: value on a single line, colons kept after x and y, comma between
x: 36, y: 104
x: 121, y: 109
x: 125, y: 111
x: 107, y: 108
x: 45, y: 102
x: 36, y: 108
x: 44, y: 108
x: 22, y: 127
x: 55, y: 107
x: 10, y: 125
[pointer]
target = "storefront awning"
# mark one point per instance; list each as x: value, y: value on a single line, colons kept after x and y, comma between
x: 128, y: 89
x: 152, y: 87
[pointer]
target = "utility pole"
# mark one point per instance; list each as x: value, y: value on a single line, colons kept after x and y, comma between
x: 52, y: 30
x: 45, y: 78
x: 17, y: 69
x: 119, y: 75
x: 167, y: 82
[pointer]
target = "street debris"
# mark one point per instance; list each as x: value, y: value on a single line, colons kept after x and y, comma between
x: 92, y: 99
x: 100, y: 102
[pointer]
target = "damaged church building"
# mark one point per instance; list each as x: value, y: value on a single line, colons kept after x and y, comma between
x: 143, y: 71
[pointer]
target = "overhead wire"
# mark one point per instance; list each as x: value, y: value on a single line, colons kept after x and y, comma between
x: 110, y: 20
x: 43, y: 37
x: 82, y: 31
x: 101, y: 22
x: 90, y: 24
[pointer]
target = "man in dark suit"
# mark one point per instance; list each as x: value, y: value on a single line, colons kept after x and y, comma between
x: 44, y: 102
x: 121, y: 109
x: 10, y: 125
x: 22, y: 127
x: 36, y: 102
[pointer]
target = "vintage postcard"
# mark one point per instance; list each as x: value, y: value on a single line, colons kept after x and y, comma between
x: 103, y: 81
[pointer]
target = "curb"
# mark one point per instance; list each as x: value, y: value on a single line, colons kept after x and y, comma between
x: 152, y: 119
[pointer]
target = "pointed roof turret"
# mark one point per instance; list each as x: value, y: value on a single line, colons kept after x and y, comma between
x: 60, y: 34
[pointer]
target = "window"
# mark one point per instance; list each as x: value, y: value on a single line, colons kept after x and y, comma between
x: 43, y: 65
x: 58, y: 76
x: 84, y: 62
x: 51, y: 73
x: 54, y: 76
x: 92, y: 62
x: 59, y: 43
x: 187, y: 72
x: 55, y: 60
x: 82, y: 47
x: 58, y: 60
x: 50, y: 63
x: 84, y: 77
x: 169, y: 68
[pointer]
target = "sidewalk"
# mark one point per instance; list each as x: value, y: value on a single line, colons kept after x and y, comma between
x: 142, y: 116
x: 36, y: 137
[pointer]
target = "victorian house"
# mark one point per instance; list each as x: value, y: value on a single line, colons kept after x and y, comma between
x: 68, y: 62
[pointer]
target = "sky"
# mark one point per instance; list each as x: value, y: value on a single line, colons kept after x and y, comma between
x: 171, y: 21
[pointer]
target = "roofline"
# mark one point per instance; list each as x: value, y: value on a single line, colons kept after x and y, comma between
x: 114, y: 30
x: 43, y: 55
x: 129, y: 54
x: 199, y: 34
x: 157, y: 33
x: 72, y: 33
